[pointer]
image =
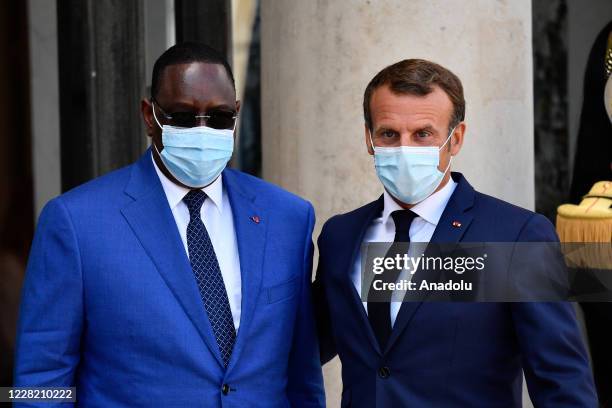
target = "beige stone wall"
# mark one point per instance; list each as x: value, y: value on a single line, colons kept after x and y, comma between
x: 317, y: 57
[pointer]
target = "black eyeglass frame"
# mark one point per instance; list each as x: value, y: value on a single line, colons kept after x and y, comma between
x: 169, y: 117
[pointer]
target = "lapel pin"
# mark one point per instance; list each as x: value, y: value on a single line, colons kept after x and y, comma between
x: 456, y: 224
x: 255, y: 219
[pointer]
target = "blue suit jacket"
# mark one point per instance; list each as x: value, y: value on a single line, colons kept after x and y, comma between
x: 444, y: 354
x: 110, y: 304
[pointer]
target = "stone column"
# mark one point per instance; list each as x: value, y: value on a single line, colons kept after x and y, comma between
x: 44, y: 105
x: 101, y: 55
x: 317, y: 58
x: 207, y: 21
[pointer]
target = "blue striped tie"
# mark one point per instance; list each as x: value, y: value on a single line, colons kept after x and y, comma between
x: 207, y: 273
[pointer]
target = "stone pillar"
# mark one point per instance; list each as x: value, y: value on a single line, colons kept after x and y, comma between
x: 101, y: 55
x: 207, y: 21
x: 44, y: 105
x: 317, y: 58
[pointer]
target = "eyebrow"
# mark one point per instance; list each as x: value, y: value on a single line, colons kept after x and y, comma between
x: 427, y: 128
x: 224, y: 107
x: 176, y: 106
x: 384, y: 127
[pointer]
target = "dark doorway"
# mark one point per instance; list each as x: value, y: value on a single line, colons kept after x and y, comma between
x: 16, y: 195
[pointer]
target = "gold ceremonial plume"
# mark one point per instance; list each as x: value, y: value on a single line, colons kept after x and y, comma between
x: 589, y: 222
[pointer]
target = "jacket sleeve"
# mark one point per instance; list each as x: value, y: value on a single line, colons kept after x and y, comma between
x: 51, y: 311
x: 321, y: 306
x: 553, y: 354
x: 305, y: 384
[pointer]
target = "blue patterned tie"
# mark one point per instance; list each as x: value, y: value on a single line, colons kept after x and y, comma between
x: 208, y: 276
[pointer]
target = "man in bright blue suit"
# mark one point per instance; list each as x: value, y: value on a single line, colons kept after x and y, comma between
x: 175, y: 281
x: 434, y: 353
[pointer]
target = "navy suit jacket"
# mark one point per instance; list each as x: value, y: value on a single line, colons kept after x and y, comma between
x: 443, y: 354
x: 110, y: 303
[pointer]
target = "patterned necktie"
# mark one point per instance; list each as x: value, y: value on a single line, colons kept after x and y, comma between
x: 379, y: 312
x: 208, y: 276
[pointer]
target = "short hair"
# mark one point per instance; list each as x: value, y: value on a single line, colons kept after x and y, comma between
x: 417, y: 77
x: 185, y: 53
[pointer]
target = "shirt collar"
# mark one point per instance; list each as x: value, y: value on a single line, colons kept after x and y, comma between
x: 430, y: 209
x: 175, y: 193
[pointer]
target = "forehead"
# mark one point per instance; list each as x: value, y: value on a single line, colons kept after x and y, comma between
x: 390, y: 108
x: 195, y: 83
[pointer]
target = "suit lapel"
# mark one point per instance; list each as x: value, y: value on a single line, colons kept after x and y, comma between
x: 453, y: 223
x: 250, y: 224
x: 356, y: 236
x: 152, y: 222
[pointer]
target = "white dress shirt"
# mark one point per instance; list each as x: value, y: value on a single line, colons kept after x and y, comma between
x: 216, y: 214
x: 422, y: 228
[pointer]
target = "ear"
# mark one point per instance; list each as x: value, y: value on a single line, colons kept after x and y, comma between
x: 146, y: 109
x: 368, y: 140
x: 238, y: 106
x: 456, y: 140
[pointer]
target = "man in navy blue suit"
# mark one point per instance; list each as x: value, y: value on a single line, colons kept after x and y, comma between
x: 175, y: 281
x: 437, y: 354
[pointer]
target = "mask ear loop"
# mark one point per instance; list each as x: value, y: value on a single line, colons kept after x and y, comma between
x: 371, y: 141
x: 234, y: 132
x: 447, y: 139
x: 158, y: 124
x: 155, y: 116
x: 449, y: 164
x: 235, y: 124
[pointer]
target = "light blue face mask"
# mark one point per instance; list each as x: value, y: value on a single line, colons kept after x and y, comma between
x: 195, y: 156
x: 410, y: 173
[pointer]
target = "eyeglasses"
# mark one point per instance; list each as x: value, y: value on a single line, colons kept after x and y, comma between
x: 216, y: 119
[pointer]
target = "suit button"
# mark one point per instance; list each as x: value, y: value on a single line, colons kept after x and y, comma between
x: 225, y: 389
x: 384, y: 372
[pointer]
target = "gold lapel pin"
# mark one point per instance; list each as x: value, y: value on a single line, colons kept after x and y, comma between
x: 456, y: 224
x: 255, y: 219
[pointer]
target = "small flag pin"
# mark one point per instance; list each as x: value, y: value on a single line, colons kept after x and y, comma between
x: 456, y: 224
x: 255, y: 219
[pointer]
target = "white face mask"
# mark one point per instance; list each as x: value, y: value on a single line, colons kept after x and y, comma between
x: 195, y: 156
x: 410, y: 173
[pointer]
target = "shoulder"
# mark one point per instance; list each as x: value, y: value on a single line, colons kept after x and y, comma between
x: 352, y: 220
x: 352, y: 216
x: 525, y: 224
x: 273, y: 197
x: 96, y: 194
x: 489, y: 204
